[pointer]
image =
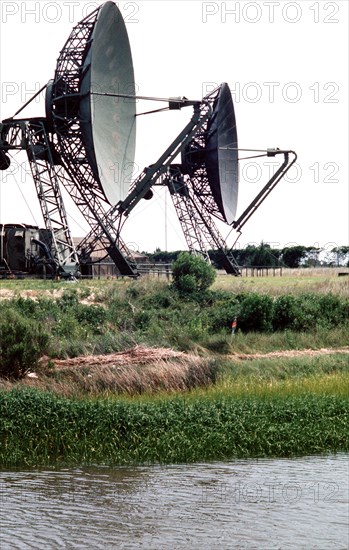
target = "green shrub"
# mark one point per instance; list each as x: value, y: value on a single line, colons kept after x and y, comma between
x: 309, y: 311
x: 191, y: 274
x: 162, y: 299
x: 91, y: 316
x: 133, y: 291
x: 120, y: 313
x: 223, y: 313
x: 256, y: 313
x: 312, y: 310
x: 285, y: 312
x: 69, y: 298
x: 333, y: 310
x: 143, y: 319
x: 22, y: 342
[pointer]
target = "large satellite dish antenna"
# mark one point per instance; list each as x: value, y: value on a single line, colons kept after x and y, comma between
x: 106, y: 125
x: 86, y: 143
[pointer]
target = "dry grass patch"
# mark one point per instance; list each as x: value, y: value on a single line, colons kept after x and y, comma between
x: 290, y: 353
x: 132, y: 372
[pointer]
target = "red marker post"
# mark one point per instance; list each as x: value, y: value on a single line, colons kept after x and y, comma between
x: 233, y: 326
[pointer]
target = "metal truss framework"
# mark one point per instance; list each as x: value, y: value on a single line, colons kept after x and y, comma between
x: 76, y: 173
x: 31, y: 135
x: 150, y: 176
x: 198, y: 175
x: 64, y: 95
x: 197, y: 224
x: 64, y: 157
x: 81, y: 183
x: 186, y: 213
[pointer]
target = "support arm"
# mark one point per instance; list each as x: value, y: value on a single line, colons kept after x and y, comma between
x: 274, y: 180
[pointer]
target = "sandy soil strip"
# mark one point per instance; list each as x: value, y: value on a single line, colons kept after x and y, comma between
x: 291, y: 353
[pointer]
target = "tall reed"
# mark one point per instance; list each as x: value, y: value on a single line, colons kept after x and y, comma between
x: 38, y: 428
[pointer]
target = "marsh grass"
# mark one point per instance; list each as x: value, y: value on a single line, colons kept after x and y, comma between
x: 257, y: 342
x: 283, y: 368
x: 317, y: 379
x: 293, y: 281
x: 256, y: 408
x: 40, y: 429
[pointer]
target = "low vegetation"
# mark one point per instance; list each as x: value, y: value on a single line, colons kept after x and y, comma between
x: 224, y: 398
x: 152, y: 313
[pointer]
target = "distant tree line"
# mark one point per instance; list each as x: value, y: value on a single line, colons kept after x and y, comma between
x: 266, y: 256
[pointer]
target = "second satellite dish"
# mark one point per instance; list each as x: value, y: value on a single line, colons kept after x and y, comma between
x: 221, y: 154
x: 212, y: 157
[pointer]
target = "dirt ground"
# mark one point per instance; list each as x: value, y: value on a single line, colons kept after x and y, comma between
x: 292, y: 353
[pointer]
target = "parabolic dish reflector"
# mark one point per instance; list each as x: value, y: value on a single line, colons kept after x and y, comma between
x: 221, y: 154
x: 108, y: 124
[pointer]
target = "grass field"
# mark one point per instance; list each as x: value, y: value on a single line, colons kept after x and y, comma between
x: 293, y: 281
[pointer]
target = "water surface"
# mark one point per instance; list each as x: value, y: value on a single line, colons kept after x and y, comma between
x: 253, y: 504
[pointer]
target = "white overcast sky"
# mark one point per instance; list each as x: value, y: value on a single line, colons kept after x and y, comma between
x: 287, y: 66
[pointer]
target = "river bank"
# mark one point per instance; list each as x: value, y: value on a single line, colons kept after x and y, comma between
x: 263, y: 412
